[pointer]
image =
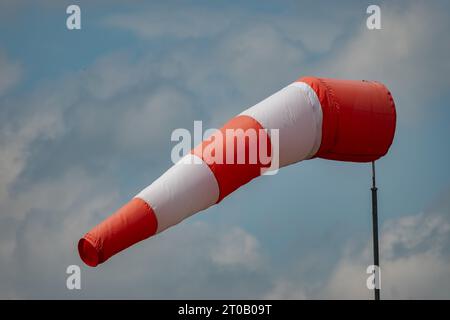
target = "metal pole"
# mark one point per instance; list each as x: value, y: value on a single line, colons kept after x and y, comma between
x: 376, y: 261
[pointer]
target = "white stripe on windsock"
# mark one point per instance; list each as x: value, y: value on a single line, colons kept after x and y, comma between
x: 296, y: 112
x: 187, y: 187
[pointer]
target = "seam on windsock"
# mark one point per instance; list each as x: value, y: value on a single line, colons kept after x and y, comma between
x: 330, y: 113
x: 164, y: 212
x: 333, y: 107
x: 212, y: 174
x: 150, y: 210
x: 270, y: 142
x: 216, y: 168
x: 97, y: 243
x: 316, y: 106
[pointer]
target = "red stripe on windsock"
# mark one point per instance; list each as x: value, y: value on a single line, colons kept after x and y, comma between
x: 358, y: 119
x: 132, y: 223
x: 231, y: 176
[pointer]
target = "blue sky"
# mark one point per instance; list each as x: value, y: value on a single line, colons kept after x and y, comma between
x: 85, y: 123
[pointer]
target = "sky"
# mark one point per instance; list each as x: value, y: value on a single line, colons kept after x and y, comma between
x: 85, y: 123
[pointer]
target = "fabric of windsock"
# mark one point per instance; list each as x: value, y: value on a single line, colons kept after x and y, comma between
x: 313, y: 117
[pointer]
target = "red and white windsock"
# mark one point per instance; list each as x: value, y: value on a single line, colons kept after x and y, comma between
x: 313, y: 117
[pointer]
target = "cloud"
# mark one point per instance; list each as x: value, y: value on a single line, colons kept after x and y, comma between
x: 115, y: 106
x: 404, y: 55
x: 202, y: 254
x: 142, y: 125
x: 285, y: 290
x: 113, y: 75
x: 10, y: 75
x: 414, y: 260
x: 178, y: 264
x: 42, y: 233
x: 195, y: 23
x: 73, y: 148
x: 53, y: 189
x: 15, y: 141
x: 255, y: 52
x: 237, y: 248
x: 171, y: 21
x: 59, y: 146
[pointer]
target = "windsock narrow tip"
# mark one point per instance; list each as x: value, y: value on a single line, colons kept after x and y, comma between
x: 134, y: 222
x: 88, y: 252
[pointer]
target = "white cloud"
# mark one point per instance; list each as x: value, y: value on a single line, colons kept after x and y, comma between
x: 43, y: 218
x: 177, y: 22
x: 128, y: 104
x: 15, y: 143
x: 176, y: 264
x: 414, y: 261
x: 44, y: 213
x: 257, y: 57
x: 44, y: 230
x: 142, y: 125
x: 285, y: 290
x: 112, y: 102
x: 237, y: 248
x: 113, y: 75
x: 261, y: 52
x: 406, y: 55
x: 194, y: 23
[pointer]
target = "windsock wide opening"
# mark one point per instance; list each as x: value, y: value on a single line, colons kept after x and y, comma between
x: 358, y: 119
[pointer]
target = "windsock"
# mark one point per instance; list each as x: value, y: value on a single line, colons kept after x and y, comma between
x: 313, y: 117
